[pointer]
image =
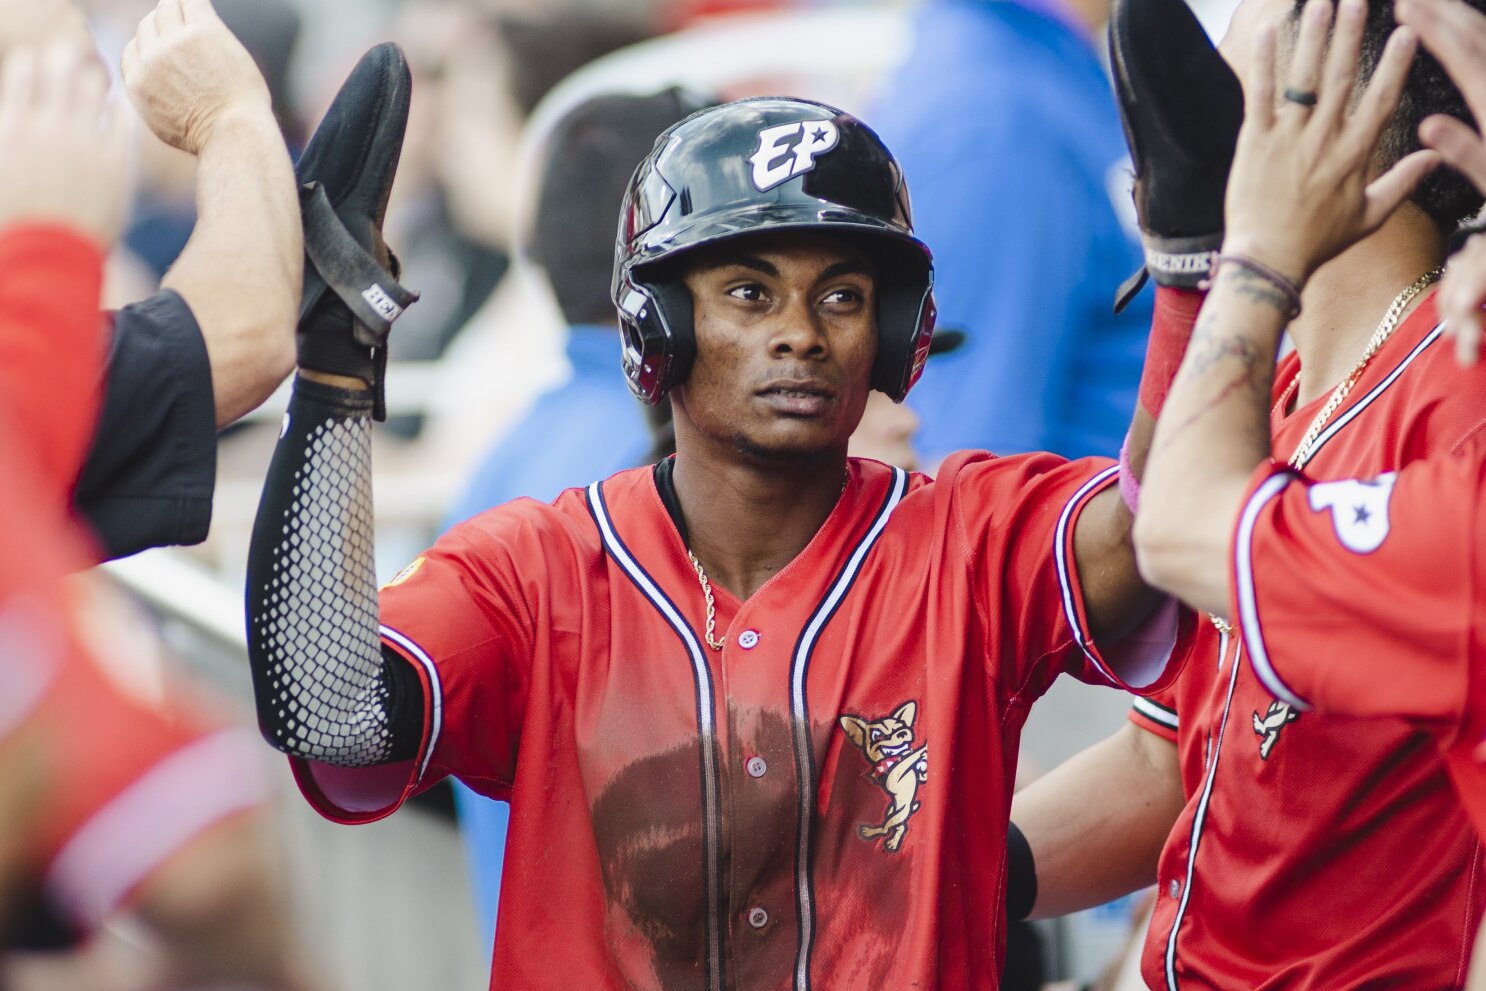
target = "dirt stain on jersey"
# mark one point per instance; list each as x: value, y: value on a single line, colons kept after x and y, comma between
x: 648, y: 828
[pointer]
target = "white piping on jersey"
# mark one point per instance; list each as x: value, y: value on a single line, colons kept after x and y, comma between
x: 1156, y: 713
x: 1198, y: 822
x: 435, y: 694
x: 179, y: 797
x: 1065, y: 580
x: 1372, y: 394
x: 1215, y: 745
x: 1248, y: 605
x: 800, y: 710
x: 706, y: 730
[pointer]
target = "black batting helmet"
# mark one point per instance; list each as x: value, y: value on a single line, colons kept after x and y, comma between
x: 764, y: 164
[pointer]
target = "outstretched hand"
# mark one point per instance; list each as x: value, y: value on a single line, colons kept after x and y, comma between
x: 1456, y: 35
x: 1301, y: 190
x: 186, y: 72
x: 64, y: 143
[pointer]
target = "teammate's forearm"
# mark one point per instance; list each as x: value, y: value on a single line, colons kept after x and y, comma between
x: 242, y: 270
x: 1091, y: 843
x: 324, y: 689
x: 1116, y: 597
x: 1212, y: 434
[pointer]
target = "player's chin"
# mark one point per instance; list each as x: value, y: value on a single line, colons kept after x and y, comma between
x: 784, y: 443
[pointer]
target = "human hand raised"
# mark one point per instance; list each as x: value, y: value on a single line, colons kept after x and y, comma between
x: 1455, y: 34
x: 1301, y: 190
x: 1462, y: 296
x: 186, y: 73
x: 65, y: 148
x: 41, y: 22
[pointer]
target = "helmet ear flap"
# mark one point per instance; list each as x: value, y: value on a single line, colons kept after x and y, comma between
x: 655, y: 321
x: 905, y: 326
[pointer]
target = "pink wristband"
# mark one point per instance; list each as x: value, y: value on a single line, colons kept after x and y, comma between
x: 1129, y: 486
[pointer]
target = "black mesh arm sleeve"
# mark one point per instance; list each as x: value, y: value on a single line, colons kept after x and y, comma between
x: 325, y: 689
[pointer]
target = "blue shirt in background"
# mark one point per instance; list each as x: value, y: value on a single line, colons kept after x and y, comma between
x: 1006, y: 126
x: 584, y: 430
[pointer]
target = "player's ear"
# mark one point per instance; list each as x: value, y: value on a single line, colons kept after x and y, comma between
x: 906, y: 713
x: 855, y: 729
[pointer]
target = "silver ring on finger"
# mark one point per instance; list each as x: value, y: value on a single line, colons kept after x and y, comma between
x: 1304, y: 97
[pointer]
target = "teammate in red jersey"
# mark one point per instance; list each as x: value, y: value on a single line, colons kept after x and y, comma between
x: 1356, y: 596
x: 756, y: 709
x: 1268, y: 874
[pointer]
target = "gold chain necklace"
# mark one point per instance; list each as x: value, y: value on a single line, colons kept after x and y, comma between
x: 713, y: 641
x: 1391, y: 319
x: 1386, y: 327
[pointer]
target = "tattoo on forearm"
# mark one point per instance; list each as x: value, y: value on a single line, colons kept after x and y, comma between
x: 1254, y: 373
x: 1251, y: 285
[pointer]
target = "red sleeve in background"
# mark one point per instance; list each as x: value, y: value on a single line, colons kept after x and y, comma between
x: 51, y: 348
x: 1172, y: 321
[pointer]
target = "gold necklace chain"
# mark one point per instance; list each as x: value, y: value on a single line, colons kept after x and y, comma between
x: 1386, y: 327
x: 712, y: 641
x: 1391, y: 319
x: 709, y: 633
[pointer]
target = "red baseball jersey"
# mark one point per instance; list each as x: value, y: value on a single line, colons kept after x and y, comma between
x: 50, y: 352
x: 823, y: 802
x: 132, y: 778
x: 122, y: 780
x: 1359, y: 597
x: 1321, y: 851
x: 51, y: 344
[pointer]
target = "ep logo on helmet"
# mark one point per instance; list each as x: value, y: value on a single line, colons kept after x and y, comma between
x: 788, y: 150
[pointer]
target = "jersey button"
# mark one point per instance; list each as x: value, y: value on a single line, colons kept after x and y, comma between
x: 757, y: 767
x: 757, y: 917
x: 748, y: 639
x: 1174, y: 888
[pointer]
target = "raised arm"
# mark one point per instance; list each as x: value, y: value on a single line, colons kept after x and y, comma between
x: 1181, y: 106
x: 1455, y: 33
x: 325, y: 690
x: 1299, y: 194
x: 62, y: 201
x: 199, y: 90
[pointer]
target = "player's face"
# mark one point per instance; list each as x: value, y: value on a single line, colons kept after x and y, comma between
x: 786, y: 330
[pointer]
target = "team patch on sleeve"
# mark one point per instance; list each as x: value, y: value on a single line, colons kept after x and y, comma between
x: 405, y: 573
x: 1359, y: 510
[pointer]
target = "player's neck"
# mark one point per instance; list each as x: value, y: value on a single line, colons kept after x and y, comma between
x: 747, y: 521
x: 1346, y: 298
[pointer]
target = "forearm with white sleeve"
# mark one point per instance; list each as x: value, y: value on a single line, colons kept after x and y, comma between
x: 325, y: 688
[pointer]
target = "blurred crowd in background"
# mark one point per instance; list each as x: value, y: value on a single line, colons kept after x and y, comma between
x: 505, y: 378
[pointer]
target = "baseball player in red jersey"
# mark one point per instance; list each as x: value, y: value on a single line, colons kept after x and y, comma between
x: 1356, y: 597
x: 755, y: 708
x: 1269, y: 875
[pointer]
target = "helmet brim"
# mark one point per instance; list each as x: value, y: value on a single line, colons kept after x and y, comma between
x: 725, y: 225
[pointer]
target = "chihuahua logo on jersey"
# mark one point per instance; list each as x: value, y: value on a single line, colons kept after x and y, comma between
x: 898, y: 768
x: 788, y: 150
x: 1276, y: 717
x: 1359, y: 510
